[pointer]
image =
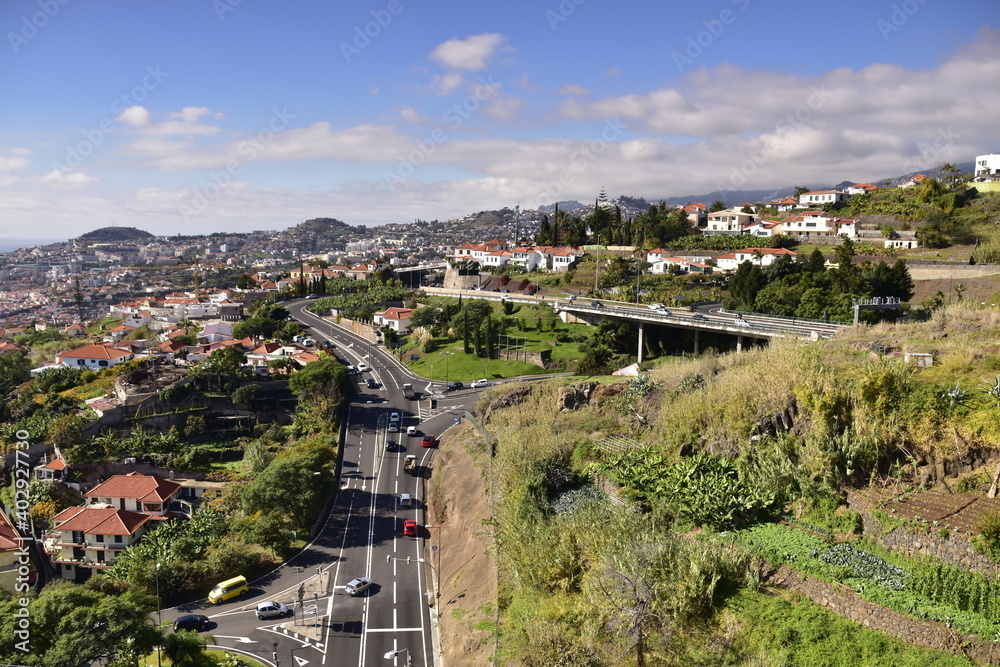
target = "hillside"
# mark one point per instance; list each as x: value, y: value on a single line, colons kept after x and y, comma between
x: 729, y: 459
x: 113, y: 235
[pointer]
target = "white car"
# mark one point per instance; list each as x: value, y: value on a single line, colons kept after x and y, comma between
x: 272, y: 610
x: 358, y: 586
x: 363, y: 367
x: 411, y: 430
x: 394, y: 417
x: 393, y: 427
x: 656, y: 306
x: 480, y: 383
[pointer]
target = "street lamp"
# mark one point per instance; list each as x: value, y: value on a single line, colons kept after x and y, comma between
x: 159, y: 618
x: 437, y: 550
x: 391, y: 655
x: 390, y: 558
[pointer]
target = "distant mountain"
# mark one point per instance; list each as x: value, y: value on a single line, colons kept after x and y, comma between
x: 114, y: 235
x: 570, y: 205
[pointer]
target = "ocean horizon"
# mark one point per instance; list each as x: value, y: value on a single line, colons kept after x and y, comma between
x: 8, y: 244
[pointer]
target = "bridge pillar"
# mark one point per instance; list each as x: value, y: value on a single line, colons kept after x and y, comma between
x: 642, y: 341
x: 739, y: 343
x: 697, y: 340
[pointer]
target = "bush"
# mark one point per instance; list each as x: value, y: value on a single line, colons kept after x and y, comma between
x: 989, y: 528
x: 245, y: 394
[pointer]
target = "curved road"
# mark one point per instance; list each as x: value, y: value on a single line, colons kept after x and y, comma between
x: 363, y: 529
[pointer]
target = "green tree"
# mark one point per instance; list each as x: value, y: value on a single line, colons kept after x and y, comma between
x: 72, y: 624
x: 14, y: 369
x: 186, y: 648
x: 816, y: 262
x: 290, y: 485
x: 326, y: 377
x: 744, y: 286
x: 245, y: 282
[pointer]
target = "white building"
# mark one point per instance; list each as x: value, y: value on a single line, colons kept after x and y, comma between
x: 729, y: 221
x: 821, y: 197
x: 759, y: 256
x: 987, y: 167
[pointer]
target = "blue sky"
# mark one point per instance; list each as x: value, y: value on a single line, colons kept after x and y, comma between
x: 231, y: 115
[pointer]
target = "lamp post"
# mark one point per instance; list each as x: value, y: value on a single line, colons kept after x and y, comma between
x: 389, y: 558
x: 159, y: 618
x: 391, y: 655
x: 437, y: 550
x: 274, y: 654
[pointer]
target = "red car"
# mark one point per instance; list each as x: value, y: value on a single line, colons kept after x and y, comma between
x: 428, y: 441
x: 410, y: 527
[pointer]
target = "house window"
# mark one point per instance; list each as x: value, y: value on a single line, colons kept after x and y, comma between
x: 98, y: 538
x: 810, y: 224
x: 81, y: 362
x: 118, y: 539
x: 102, y: 363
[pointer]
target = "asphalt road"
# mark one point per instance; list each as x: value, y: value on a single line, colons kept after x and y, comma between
x: 363, y: 529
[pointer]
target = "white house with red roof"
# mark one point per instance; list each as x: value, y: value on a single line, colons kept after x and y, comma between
x: 95, y: 355
x: 821, y: 197
x: 730, y: 221
x: 136, y: 492
x: 759, y: 256
x: 83, y: 539
x: 398, y: 319
x: 914, y: 181
x: 786, y: 204
x: 697, y: 213
x: 764, y: 228
x: 817, y: 223
x: 860, y: 189
x: 10, y: 553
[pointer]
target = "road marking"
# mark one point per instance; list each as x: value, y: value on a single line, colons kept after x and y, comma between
x: 394, y: 630
x: 239, y: 640
x: 301, y: 661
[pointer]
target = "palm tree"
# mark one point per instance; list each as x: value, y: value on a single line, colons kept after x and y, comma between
x: 949, y: 168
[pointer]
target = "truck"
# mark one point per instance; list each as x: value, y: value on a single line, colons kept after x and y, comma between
x: 410, y: 464
x: 408, y: 392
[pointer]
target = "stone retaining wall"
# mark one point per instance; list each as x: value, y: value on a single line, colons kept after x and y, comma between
x: 845, y: 602
x: 955, y: 550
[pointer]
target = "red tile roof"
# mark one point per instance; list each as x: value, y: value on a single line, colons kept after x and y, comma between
x: 397, y: 313
x: 146, y: 488
x: 8, y: 535
x: 95, y: 351
x: 100, y: 520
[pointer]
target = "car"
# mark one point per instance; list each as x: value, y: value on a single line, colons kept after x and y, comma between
x: 505, y: 291
x: 699, y: 317
x: 363, y: 367
x: 405, y: 500
x: 411, y: 430
x: 655, y: 306
x: 371, y: 383
x: 356, y: 587
x: 662, y: 311
x: 328, y: 344
x: 495, y: 289
x: 597, y: 304
x: 391, y: 445
x: 272, y: 609
x: 350, y: 370
x: 197, y: 622
x: 394, y: 417
x: 482, y: 382
x: 454, y: 386
x: 410, y: 528
x: 393, y: 427
x: 571, y: 297
x: 427, y: 441
x: 230, y: 588
x: 312, y: 296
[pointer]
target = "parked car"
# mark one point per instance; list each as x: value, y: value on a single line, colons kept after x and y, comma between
x: 454, y: 386
x: 410, y: 528
x: 272, y: 609
x: 483, y: 382
x: 197, y: 622
x: 427, y: 441
x: 391, y: 445
x: 356, y: 587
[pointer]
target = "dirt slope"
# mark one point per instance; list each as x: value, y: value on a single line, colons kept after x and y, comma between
x: 458, y: 502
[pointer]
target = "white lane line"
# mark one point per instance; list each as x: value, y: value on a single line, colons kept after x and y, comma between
x: 394, y: 630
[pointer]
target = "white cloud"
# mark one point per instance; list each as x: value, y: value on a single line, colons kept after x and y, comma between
x: 470, y: 53
x: 13, y: 163
x: 135, y: 116
x: 20, y: 151
x: 444, y: 84
x: 612, y: 71
x: 67, y: 178
x: 410, y: 115
x: 573, y: 90
x: 504, y: 108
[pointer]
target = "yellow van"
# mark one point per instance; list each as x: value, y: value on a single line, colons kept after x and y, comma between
x: 230, y: 588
